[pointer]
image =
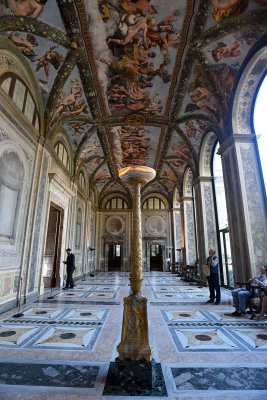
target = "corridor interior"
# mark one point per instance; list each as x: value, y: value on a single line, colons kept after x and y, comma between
x: 64, y: 345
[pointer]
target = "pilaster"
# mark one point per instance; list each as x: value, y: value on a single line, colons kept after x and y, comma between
x: 246, y: 205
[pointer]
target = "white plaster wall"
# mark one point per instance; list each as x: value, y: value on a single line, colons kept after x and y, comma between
x: 11, y: 251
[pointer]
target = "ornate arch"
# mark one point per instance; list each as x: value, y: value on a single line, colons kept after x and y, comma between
x: 188, y: 183
x: 206, y: 154
x: 246, y: 91
x: 12, y: 61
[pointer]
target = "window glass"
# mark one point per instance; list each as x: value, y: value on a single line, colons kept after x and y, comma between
x: 150, y: 204
x: 19, y: 94
x: 219, y: 190
x: 65, y: 158
x: 6, y: 85
x: 29, y: 107
x: 153, y: 203
x: 116, y: 203
x: 37, y: 125
x: 260, y: 125
x: 119, y: 204
x: 118, y: 250
x: 82, y: 180
x: 113, y: 203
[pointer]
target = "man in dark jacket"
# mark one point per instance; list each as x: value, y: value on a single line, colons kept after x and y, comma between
x: 213, y: 279
x: 70, y: 267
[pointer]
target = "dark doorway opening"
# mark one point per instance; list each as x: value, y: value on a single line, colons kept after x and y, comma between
x: 53, y: 246
x: 156, y: 259
x: 114, y: 257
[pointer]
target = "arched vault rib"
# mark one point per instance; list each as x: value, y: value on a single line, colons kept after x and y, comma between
x: 167, y: 161
x: 83, y: 161
x: 189, y: 145
x: 126, y: 191
x: 91, y: 180
x: 36, y: 27
x: 83, y: 118
x: 61, y: 78
x: 86, y: 137
x: 248, y: 20
x: 207, y: 74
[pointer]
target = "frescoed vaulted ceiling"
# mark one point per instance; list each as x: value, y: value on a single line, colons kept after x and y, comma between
x: 135, y: 82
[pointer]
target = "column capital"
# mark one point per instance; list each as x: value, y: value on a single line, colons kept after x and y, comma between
x: 236, y: 138
x: 186, y: 198
x: 201, y: 179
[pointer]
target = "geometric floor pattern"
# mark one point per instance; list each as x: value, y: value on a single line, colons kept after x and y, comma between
x: 64, y: 346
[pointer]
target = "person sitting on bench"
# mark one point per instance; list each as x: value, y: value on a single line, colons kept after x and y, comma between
x: 241, y: 295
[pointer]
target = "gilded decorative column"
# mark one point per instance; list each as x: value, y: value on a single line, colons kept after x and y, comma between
x: 134, y: 338
x: 136, y: 246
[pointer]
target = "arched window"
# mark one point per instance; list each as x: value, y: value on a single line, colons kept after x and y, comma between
x: 260, y: 125
x: 153, y: 203
x: 222, y: 218
x: 18, y: 91
x: 62, y: 154
x: 117, y: 203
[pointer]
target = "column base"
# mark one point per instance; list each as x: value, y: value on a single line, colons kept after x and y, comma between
x: 135, y: 378
x: 135, y: 373
x: 134, y: 344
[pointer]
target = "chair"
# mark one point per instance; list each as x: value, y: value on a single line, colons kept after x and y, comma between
x: 187, y: 273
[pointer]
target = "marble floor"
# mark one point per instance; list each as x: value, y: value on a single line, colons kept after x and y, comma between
x: 63, y: 347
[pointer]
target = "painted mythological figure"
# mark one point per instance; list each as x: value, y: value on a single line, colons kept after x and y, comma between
x: 25, y: 8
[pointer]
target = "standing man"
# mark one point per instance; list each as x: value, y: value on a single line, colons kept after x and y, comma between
x: 70, y: 267
x: 213, y: 279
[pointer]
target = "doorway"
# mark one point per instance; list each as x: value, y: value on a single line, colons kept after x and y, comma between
x: 227, y: 276
x: 53, y: 245
x: 156, y: 259
x: 114, y: 257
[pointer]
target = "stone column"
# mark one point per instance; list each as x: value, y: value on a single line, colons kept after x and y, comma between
x: 134, y: 344
x: 205, y: 215
x: 246, y: 204
x: 189, y: 230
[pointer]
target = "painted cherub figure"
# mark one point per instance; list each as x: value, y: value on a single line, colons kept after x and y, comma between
x: 222, y: 50
x: 26, y: 8
x: 51, y: 57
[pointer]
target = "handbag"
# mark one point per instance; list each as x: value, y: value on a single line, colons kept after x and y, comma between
x: 206, y: 269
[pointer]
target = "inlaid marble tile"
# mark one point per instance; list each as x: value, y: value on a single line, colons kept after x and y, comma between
x: 66, y: 294
x: 255, y: 338
x: 64, y: 375
x: 102, y: 295
x: 168, y: 295
x: 184, y: 315
x: 214, y: 379
x: 106, y: 289
x: 165, y: 289
x: 84, y: 287
x: 223, y: 315
x: 78, y: 314
x: 13, y: 335
x: 41, y: 313
x: 203, y: 339
x: 66, y: 337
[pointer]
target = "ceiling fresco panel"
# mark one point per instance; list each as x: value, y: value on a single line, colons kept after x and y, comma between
x: 91, y: 148
x: 134, y: 145
x: 135, y: 46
